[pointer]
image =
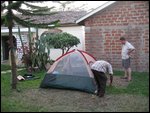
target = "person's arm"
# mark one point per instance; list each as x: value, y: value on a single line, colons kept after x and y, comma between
x: 131, y: 48
x: 130, y: 51
x: 111, y: 80
x: 110, y: 71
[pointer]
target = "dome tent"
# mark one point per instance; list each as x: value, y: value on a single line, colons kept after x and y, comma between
x: 71, y: 71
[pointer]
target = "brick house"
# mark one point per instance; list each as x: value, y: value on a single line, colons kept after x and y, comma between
x: 105, y: 25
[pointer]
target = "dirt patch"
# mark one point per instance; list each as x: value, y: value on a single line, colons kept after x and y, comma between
x: 118, y: 82
x: 67, y: 101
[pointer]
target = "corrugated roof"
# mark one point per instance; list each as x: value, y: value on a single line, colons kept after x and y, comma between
x: 65, y: 17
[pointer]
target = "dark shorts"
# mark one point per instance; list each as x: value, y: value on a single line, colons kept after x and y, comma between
x: 126, y: 63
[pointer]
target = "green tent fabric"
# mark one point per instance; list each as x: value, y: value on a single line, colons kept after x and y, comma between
x: 71, y: 71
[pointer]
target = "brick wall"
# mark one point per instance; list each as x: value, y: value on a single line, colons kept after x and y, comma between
x: 124, y: 18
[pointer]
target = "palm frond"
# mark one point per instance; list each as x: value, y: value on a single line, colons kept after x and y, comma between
x: 28, y: 12
x: 30, y: 24
x: 2, y: 20
x: 43, y: 13
x: 15, y: 5
x: 43, y: 9
x: 3, y: 6
x: 29, y: 20
x: 7, y: 18
x: 33, y: 6
x: 24, y: 12
x: 35, y: 1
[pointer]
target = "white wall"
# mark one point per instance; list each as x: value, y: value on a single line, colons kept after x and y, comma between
x: 77, y: 31
x: 24, y: 35
x: 24, y: 39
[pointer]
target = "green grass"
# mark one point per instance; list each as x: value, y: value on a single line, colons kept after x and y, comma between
x: 5, y: 67
x: 30, y: 98
x: 139, y: 84
x: 11, y: 103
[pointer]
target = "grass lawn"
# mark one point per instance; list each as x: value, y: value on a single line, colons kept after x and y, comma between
x: 30, y: 98
x: 5, y: 67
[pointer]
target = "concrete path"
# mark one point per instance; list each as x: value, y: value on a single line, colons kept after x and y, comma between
x: 8, y: 71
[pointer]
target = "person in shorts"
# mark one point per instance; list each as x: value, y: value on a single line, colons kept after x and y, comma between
x: 127, y: 49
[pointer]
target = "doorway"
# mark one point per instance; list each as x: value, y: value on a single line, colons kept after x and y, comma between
x: 5, y: 46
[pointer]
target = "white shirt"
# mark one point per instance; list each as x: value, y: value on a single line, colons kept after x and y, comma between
x: 102, y: 66
x: 125, y: 50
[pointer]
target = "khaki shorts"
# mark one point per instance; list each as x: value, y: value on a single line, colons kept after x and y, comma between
x: 126, y: 63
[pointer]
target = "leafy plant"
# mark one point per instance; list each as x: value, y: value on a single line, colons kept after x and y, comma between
x: 39, y: 57
x: 8, y: 18
x: 62, y: 41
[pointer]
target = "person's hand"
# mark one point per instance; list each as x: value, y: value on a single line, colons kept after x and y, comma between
x: 129, y: 53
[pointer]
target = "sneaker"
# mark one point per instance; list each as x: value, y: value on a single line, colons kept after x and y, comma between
x: 101, y: 95
x: 96, y: 92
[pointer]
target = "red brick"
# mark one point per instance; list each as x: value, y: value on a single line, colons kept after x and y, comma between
x: 120, y: 14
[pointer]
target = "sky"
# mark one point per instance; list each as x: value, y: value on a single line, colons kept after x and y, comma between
x: 90, y: 4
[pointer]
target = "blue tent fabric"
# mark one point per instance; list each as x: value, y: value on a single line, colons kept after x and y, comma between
x: 70, y: 72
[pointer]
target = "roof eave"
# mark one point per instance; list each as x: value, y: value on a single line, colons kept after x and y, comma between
x: 94, y: 11
x: 68, y: 24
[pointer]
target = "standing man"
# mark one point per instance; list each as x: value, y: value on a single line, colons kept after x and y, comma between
x: 127, y: 49
x: 99, y: 69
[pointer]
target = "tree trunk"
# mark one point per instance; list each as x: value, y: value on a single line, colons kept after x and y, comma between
x: 63, y: 51
x: 25, y: 59
x: 21, y: 40
x: 30, y: 45
x: 13, y: 60
x: 68, y: 49
x: 37, y: 33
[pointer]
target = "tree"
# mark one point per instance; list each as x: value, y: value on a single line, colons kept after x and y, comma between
x: 62, y: 41
x: 63, y: 4
x: 9, y: 18
x: 66, y: 6
x: 23, y: 48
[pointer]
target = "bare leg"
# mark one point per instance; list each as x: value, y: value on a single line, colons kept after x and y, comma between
x: 125, y: 73
x: 129, y: 74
